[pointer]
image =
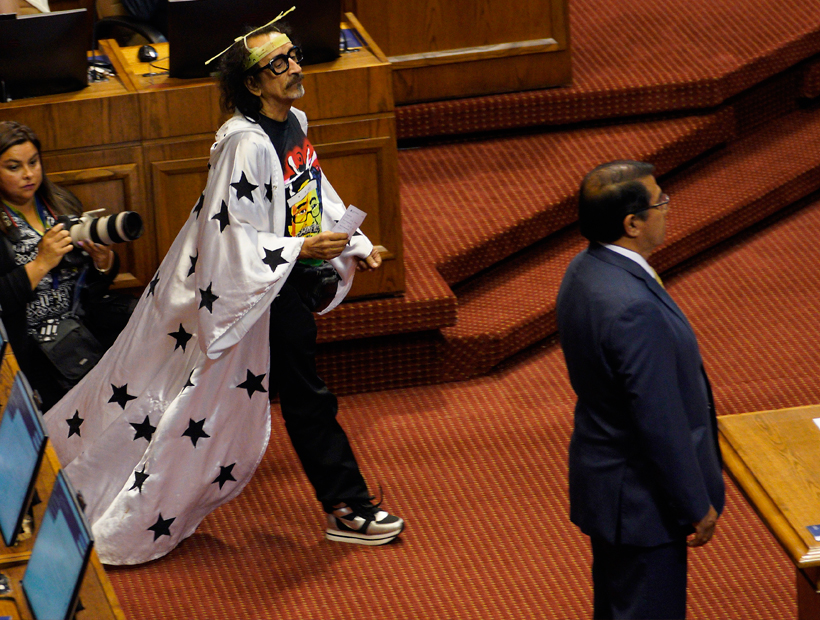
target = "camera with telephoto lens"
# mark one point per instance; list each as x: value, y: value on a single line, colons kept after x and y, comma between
x: 106, y: 230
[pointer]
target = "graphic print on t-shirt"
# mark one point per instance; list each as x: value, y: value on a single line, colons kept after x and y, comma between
x: 303, y: 190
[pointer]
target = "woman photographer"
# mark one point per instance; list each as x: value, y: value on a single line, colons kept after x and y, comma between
x: 39, y: 287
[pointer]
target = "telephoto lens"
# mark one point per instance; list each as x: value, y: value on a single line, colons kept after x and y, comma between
x: 117, y: 228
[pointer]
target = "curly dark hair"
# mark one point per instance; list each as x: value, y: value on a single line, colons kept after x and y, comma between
x: 232, y: 74
x: 59, y: 200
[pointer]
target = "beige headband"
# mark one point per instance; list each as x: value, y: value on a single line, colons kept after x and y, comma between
x: 258, y: 53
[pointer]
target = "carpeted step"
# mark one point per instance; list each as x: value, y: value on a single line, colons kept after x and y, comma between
x: 512, y: 306
x: 810, y: 83
x: 629, y: 63
x: 427, y: 304
x: 467, y: 206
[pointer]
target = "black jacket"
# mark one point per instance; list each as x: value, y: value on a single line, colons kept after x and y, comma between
x: 15, y: 294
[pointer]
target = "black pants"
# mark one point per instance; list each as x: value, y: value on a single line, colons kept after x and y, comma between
x: 308, y: 407
x: 639, y: 582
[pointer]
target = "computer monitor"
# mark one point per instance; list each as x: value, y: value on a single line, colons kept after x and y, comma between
x: 199, y: 29
x: 44, y: 54
x: 22, y: 443
x: 51, y: 583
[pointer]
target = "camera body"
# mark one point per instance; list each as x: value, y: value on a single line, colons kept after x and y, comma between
x: 106, y: 230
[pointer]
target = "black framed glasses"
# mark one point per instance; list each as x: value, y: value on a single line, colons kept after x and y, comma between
x: 281, y: 63
x: 663, y: 205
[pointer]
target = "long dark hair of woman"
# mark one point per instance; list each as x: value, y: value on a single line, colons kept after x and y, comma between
x: 59, y: 200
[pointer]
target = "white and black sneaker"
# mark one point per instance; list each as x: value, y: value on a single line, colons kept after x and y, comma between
x: 362, y: 523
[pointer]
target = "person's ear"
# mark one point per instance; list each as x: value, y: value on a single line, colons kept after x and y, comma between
x: 253, y: 86
x: 631, y: 226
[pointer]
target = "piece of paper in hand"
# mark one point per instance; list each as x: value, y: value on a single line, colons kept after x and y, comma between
x: 350, y: 221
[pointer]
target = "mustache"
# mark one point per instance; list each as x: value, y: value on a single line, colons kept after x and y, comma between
x: 296, y: 79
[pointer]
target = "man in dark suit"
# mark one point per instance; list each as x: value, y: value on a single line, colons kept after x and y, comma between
x: 645, y: 475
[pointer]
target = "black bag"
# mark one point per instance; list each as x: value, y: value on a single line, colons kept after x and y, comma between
x: 71, y: 349
x: 316, y: 284
x: 107, y: 314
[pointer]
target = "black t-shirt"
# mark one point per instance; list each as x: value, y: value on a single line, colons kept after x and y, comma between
x: 302, y: 173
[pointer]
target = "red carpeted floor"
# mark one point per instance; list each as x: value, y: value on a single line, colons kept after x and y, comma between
x: 478, y: 469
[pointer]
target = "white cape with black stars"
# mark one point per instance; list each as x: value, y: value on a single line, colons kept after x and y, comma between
x: 175, y: 418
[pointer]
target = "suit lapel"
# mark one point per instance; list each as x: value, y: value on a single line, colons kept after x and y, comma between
x: 613, y: 258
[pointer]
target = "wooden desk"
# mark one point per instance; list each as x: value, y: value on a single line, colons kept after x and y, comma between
x: 96, y: 593
x: 90, y: 141
x: 773, y: 456
x: 445, y: 49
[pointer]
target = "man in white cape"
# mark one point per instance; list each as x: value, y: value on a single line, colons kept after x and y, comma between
x: 175, y: 418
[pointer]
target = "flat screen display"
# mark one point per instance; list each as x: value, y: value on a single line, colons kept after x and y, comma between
x: 44, y: 54
x: 199, y: 29
x: 22, y: 443
x: 58, y: 561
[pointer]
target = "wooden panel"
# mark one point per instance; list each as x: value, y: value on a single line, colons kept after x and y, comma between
x: 104, y: 113
x: 356, y: 83
x: 110, y: 180
x: 437, y: 25
x: 461, y: 48
x: 360, y: 171
x: 488, y: 76
x: 177, y: 186
x: 772, y: 455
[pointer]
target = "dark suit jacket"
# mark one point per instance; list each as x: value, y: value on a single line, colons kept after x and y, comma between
x: 644, y: 462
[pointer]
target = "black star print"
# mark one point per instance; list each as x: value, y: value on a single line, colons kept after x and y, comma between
x: 244, y: 188
x: 199, y: 203
x: 195, y: 431
x: 274, y: 259
x: 252, y: 383
x: 153, y: 284
x: 193, y: 263
x: 120, y: 395
x: 189, y: 383
x: 208, y: 298
x: 162, y: 527
x: 225, y: 475
x: 182, y: 337
x: 143, y: 429
x: 268, y: 191
x: 74, y: 424
x: 139, y: 479
x: 222, y: 216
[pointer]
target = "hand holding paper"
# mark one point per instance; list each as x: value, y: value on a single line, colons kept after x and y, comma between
x: 350, y: 221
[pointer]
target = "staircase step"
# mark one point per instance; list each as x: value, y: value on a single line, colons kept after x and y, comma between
x: 427, y: 304
x: 643, y: 62
x: 531, y: 182
x: 513, y: 305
